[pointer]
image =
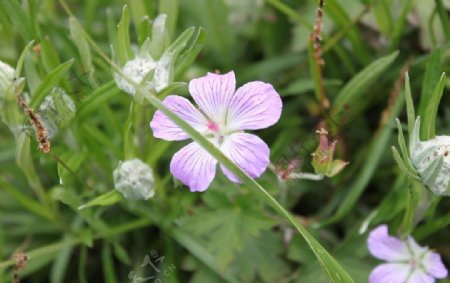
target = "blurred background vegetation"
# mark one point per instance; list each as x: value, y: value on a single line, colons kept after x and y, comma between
x: 224, y: 234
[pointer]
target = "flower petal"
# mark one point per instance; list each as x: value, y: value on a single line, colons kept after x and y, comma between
x: 255, y: 105
x: 414, y: 247
x: 383, y: 246
x: 418, y: 276
x: 389, y: 273
x: 213, y: 94
x: 164, y: 128
x: 194, y: 166
x: 434, y: 266
x: 247, y: 151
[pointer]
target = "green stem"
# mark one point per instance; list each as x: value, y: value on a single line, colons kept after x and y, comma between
x: 291, y: 13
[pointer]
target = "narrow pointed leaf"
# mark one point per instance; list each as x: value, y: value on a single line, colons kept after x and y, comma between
x: 360, y: 83
x: 429, y: 117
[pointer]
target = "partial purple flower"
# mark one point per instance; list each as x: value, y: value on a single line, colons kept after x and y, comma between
x: 222, y: 117
x: 407, y: 262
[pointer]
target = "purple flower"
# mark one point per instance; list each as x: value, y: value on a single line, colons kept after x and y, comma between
x: 222, y: 117
x: 407, y: 262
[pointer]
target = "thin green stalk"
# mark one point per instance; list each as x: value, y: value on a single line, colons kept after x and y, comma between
x: 291, y: 13
x: 331, y: 42
x: 129, y: 150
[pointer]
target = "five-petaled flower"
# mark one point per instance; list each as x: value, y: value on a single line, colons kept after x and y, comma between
x: 223, y: 115
x: 407, y: 262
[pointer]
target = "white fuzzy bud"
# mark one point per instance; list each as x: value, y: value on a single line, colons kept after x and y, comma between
x: 137, y: 70
x: 432, y: 161
x: 134, y: 179
x: 56, y: 111
x: 7, y: 74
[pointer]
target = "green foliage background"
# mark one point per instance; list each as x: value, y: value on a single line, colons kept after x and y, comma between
x: 225, y: 234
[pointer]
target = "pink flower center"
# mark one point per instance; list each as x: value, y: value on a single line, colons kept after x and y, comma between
x: 212, y: 126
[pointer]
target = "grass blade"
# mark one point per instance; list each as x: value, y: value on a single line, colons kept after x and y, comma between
x: 362, y: 81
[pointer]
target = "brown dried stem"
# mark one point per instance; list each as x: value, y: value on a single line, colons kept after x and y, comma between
x: 315, y: 40
x: 39, y: 130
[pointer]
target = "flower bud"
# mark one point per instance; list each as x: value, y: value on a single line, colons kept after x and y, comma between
x: 153, y: 63
x: 7, y: 74
x: 137, y: 70
x: 323, y: 158
x: 134, y: 179
x: 432, y: 161
x: 56, y: 111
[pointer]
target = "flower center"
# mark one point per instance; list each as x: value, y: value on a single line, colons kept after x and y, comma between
x: 413, y: 263
x: 213, y: 127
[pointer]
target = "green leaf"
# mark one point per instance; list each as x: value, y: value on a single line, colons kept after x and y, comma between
x: 22, y: 58
x: 20, y: 19
x: 404, y: 150
x: 160, y: 37
x: 106, y: 199
x: 401, y: 140
x: 430, y: 174
x: 73, y: 160
x: 430, y: 79
x: 76, y: 32
x: 360, y: 83
x: 123, y: 43
x: 66, y: 196
x: 140, y: 18
x: 60, y: 265
x: 392, y: 204
x: 265, y: 250
x: 410, y: 110
x: 337, y: 11
x: 129, y: 148
x: 121, y: 254
x: 24, y: 200
x: 181, y: 42
x: 382, y: 12
x: 302, y: 86
x: 82, y: 265
x: 108, y: 265
x: 412, y: 203
x: 432, y: 227
x: 359, y: 269
x: 399, y: 25
x: 431, y: 109
x: 197, y: 249
x: 25, y: 162
x: 227, y: 227
x: 49, y: 55
x: 97, y: 99
x: 214, y: 19
x: 403, y: 165
x: 170, y: 8
x: 49, y: 82
x: 187, y: 57
x: 444, y: 18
